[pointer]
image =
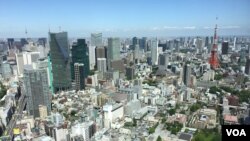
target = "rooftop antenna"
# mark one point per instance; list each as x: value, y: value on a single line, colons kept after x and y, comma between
x: 26, y: 32
x: 59, y: 28
x: 49, y: 28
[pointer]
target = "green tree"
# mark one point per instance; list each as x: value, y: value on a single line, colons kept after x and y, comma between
x: 159, y: 138
x: 151, y: 130
x: 128, y: 124
x: 3, y: 90
x: 134, y: 122
x: 246, y: 79
x: 172, y: 111
x: 195, y: 107
x: 183, y: 112
x: 73, y: 113
x: 214, y: 90
x: 218, y: 76
x: 163, y: 120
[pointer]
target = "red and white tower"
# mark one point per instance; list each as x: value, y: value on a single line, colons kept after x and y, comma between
x: 213, y: 60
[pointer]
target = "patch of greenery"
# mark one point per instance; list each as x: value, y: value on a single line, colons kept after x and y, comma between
x: 218, y: 76
x: 162, y: 114
x: 128, y: 124
x: 159, y: 138
x: 207, y: 135
x: 151, y: 130
x: 3, y: 90
x: 172, y: 111
x: 174, y: 128
x: 214, y: 90
x: 244, y: 95
x: 195, y: 107
x: 246, y: 79
x: 150, y: 82
x: 229, y: 90
x: 72, y: 113
x: 163, y: 120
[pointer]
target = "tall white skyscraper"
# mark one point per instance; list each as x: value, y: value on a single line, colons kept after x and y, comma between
x: 26, y: 58
x: 92, y: 60
x: 101, y: 64
x: 154, y: 51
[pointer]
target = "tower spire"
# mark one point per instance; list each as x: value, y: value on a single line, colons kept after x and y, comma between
x: 26, y: 32
x: 214, y: 61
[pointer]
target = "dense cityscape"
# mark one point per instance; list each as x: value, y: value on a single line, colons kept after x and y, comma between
x: 135, y: 88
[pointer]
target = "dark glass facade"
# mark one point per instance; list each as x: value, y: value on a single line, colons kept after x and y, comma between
x: 80, y: 54
x: 59, y: 55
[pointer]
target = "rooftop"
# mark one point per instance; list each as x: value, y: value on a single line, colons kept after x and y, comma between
x: 230, y: 118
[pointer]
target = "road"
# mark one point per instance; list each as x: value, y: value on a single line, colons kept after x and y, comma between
x: 17, y: 115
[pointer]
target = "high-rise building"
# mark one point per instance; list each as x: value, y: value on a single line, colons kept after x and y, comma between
x: 101, y: 65
x: 199, y: 44
x: 135, y: 41
x: 25, y: 58
x: 187, y: 75
x: 248, y: 50
x: 23, y: 41
x: 36, y: 89
x: 113, y: 50
x: 247, y: 67
x: 79, y: 76
x: 100, y: 52
x: 225, y: 47
x: 154, y: 51
x: 130, y: 73
x: 80, y: 54
x: 44, y: 64
x: 163, y: 60
x: 59, y: 56
x: 207, y: 41
x: 92, y: 60
x: 6, y: 70
x: 137, y: 53
x: 96, y: 39
x: 10, y: 43
x: 42, y: 41
x: 143, y: 44
x: 117, y: 65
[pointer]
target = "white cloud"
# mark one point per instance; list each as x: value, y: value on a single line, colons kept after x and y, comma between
x: 189, y: 27
x: 223, y: 27
x: 155, y: 28
x: 207, y: 27
x: 229, y: 27
x: 170, y: 27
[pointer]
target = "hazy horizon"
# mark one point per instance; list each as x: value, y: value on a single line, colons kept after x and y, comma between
x: 125, y: 18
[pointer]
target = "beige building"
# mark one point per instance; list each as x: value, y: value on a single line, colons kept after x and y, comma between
x: 43, y: 111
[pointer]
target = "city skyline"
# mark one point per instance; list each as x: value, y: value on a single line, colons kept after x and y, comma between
x: 124, y: 18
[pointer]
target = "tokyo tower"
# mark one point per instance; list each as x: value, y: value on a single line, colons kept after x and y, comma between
x: 213, y: 60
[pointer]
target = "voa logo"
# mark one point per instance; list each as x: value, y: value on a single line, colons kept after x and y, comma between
x: 236, y: 132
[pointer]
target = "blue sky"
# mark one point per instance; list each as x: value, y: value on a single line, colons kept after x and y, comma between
x: 124, y: 17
